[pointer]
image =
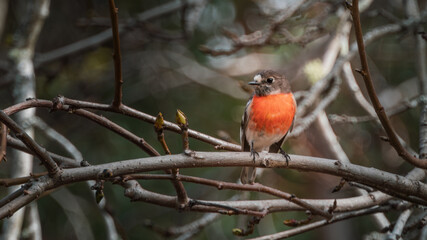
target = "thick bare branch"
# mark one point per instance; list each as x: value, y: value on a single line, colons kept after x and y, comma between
x: 390, y: 183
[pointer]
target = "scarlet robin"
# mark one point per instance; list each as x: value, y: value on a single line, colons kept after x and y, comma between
x: 268, y: 117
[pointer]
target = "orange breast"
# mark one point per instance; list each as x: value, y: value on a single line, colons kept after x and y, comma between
x: 272, y: 114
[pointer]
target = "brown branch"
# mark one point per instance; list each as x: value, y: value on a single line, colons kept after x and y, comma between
x: 379, y: 109
x: 140, y: 142
x: 182, y: 122
x: 389, y: 183
x: 11, y: 197
x: 41, y: 153
x: 3, y: 142
x: 158, y: 127
x: 59, y: 104
x: 182, y: 198
x: 20, y: 180
x: 337, y: 218
x: 117, y: 56
x: 253, y: 221
x: 256, y: 187
x: 128, y: 111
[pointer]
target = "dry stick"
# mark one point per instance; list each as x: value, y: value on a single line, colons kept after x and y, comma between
x: 117, y: 56
x: 182, y: 198
x: 41, y: 153
x: 256, y: 187
x: 379, y: 109
x: 3, y: 142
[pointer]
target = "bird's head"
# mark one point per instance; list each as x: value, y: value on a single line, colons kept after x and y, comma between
x: 269, y: 82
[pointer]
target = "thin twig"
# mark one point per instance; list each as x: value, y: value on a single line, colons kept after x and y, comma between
x: 57, y: 137
x: 3, y: 142
x: 128, y: 111
x: 117, y: 56
x: 41, y: 153
x: 182, y: 122
x: 103, y: 121
x: 20, y: 180
x: 400, y: 108
x: 158, y: 127
x: 181, y: 194
x: 63, y: 162
x: 379, y: 109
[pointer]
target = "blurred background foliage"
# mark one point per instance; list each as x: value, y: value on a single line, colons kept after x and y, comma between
x: 164, y: 70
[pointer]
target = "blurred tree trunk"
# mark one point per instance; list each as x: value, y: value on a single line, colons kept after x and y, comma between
x: 30, y: 16
x: 3, y: 14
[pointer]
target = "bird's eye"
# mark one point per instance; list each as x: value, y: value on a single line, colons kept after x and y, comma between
x: 270, y: 80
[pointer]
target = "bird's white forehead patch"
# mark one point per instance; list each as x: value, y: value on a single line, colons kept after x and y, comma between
x: 257, y: 78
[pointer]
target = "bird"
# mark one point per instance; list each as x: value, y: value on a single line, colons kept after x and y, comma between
x: 268, y: 117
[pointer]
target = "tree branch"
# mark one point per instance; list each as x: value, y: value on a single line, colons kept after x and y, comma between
x: 41, y: 153
x: 117, y: 56
x: 337, y: 218
x: 128, y: 111
x: 63, y: 162
x: 395, y: 185
x: 256, y: 187
x: 379, y: 109
x: 3, y: 142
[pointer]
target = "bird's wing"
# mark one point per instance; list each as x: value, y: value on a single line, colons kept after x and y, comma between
x: 243, y: 125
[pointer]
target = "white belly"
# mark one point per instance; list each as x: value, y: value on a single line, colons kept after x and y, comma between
x: 261, y: 141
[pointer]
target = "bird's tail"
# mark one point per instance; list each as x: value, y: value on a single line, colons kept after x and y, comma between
x: 248, y: 175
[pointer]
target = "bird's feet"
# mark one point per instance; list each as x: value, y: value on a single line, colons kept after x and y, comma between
x: 287, y: 157
x: 254, y: 154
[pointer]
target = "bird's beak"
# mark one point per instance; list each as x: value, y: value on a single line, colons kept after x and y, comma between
x: 256, y: 81
x: 253, y: 83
